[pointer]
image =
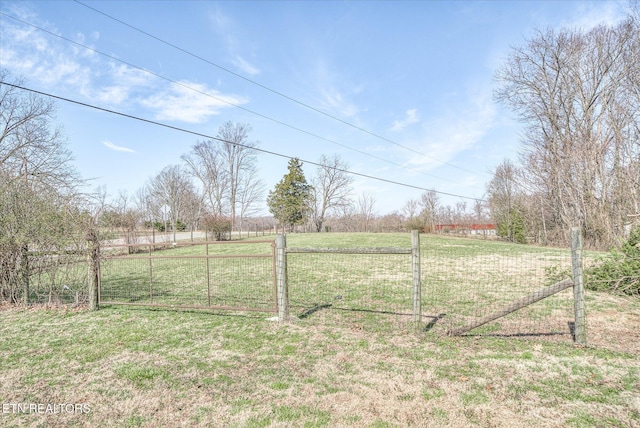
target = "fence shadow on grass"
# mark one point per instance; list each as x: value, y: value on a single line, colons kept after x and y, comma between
x: 181, y: 310
x: 506, y: 335
x: 307, y: 313
x: 319, y: 307
x: 434, y: 320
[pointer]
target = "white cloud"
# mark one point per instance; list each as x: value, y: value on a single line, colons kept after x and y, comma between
x: 592, y: 14
x: 237, y: 46
x: 336, y: 101
x: 120, y: 83
x: 245, y: 66
x: 111, y: 95
x: 189, y: 102
x: 112, y: 146
x: 69, y: 68
x: 455, y: 132
x: 41, y: 58
x: 410, y: 119
x: 332, y: 97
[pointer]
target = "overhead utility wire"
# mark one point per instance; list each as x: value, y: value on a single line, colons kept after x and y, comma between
x: 226, y: 102
x: 317, y: 110
x: 199, y: 134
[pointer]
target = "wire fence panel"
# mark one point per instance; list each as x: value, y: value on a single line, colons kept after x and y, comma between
x: 58, y: 278
x: 358, y: 289
x: 466, y: 281
x: 199, y: 275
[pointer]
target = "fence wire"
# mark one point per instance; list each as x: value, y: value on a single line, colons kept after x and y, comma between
x: 462, y: 281
x: 362, y: 290
x: 209, y: 275
x: 56, y: 279
x: 465, y: 282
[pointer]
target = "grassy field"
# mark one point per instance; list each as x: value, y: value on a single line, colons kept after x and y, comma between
x: 133, y: 366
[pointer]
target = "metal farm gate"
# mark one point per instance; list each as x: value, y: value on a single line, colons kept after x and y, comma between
x: 202, y: 275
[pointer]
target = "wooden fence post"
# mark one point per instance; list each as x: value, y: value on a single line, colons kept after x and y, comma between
x: 282, y: 285
x: 415, y: 268
x: 24, y: 269
x: 580, y: 330
x: 93, y: 259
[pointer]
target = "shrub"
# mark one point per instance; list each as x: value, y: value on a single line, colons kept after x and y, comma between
x: 513, y: 229
x: 620, y: 270
x: 217, y: 225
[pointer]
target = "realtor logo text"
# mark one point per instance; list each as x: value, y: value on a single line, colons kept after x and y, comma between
x: 45, y: 408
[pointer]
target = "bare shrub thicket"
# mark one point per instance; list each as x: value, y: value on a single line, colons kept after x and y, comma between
x: 41, y: 223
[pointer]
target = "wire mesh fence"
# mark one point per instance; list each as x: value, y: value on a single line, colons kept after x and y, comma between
x: 463, y: 282
x: 466, y: 282
x: 468, y: 286
x: 238, y: 276
x: 358, y: 289
x: 55, y: 279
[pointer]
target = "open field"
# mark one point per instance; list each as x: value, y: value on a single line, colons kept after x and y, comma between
x: 134, y: 366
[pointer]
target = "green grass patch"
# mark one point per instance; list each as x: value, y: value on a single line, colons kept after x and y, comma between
x: 343, y: 365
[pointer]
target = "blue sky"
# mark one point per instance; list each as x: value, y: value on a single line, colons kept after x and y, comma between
x: 418, y: 75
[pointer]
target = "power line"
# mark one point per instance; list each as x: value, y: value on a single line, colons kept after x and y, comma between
x: 222, y: 100
x: 199, y: 134
x: 301, y: 103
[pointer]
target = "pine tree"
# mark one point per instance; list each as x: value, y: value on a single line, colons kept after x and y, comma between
x: 290, y: 201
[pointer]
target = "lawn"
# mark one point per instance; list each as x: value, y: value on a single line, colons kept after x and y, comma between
x: 137, y: 366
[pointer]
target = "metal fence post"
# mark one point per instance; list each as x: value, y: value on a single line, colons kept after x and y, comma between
x: 281, y: 278
x: 415, y: 268
x: 580, y: 330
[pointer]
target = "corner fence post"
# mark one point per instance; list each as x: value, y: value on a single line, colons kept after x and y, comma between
x: 580, y: 330
x: 415, y: 268
x: 282, y: 285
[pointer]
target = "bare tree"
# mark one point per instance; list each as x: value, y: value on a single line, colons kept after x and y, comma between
x: 366, y: 211
x: 240, y: 162
x: 429, y: 201
x: 122, y: 216
x: 347, y: 218
x: 577, y: 94
x: 172, y: 187
x: 411, y: 208
x: 31, y: 147
x: 192, y: 209
x: 411, y: 213
x: 250, y: 191
x: 226, y: 169
x: 331, y: 188
x: 480, y: 210
x: 206, y: 164
x: 505, y: 201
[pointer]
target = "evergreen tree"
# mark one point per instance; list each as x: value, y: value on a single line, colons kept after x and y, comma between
x: 290, y: 201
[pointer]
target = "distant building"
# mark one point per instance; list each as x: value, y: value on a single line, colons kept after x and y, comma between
x: 481, y: 229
